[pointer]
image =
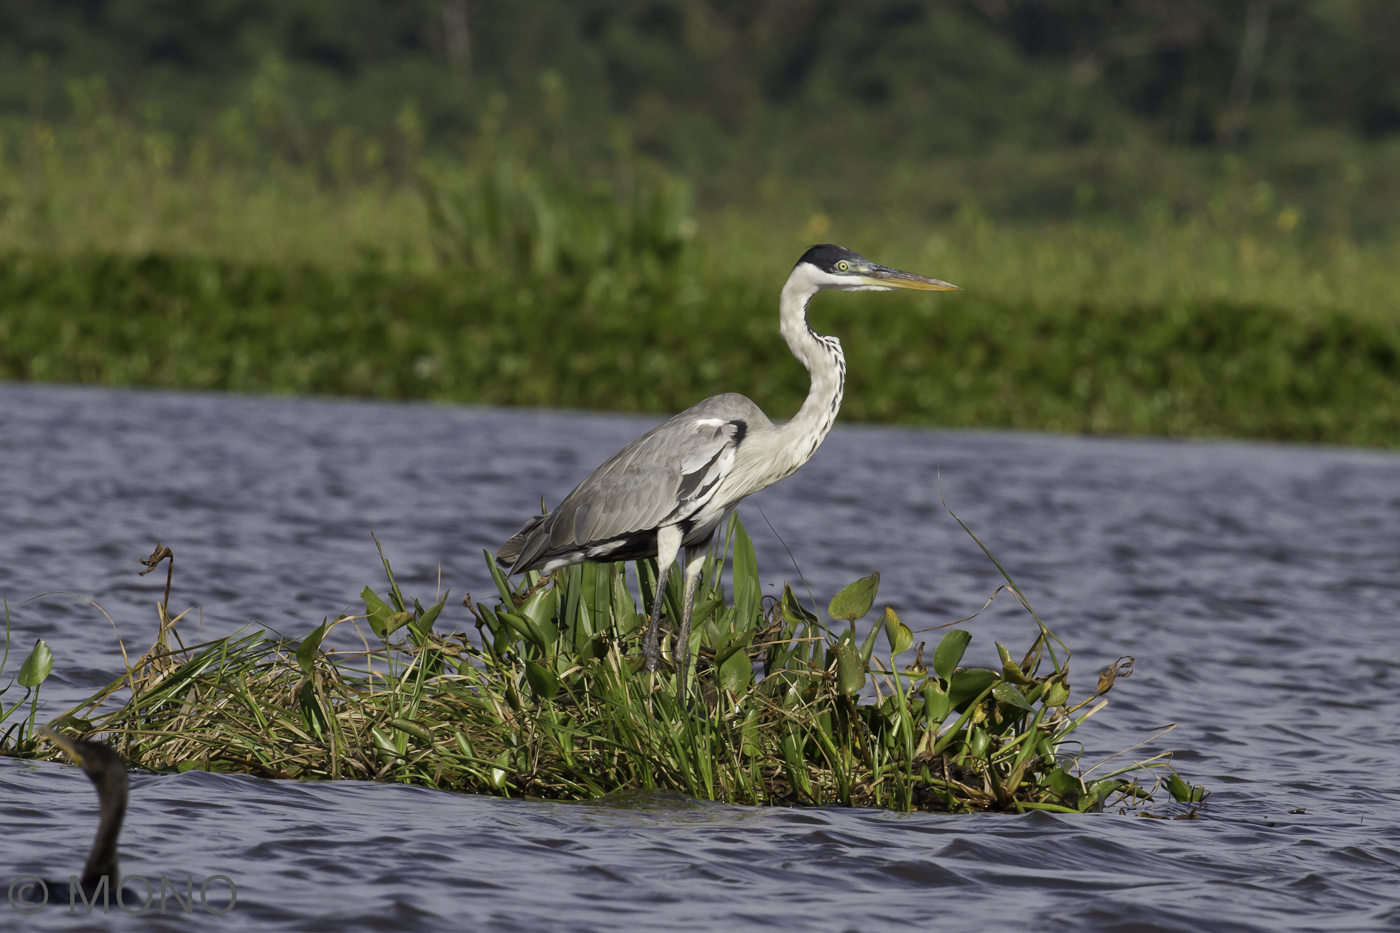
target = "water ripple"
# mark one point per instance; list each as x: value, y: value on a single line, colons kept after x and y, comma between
x: 1257, y: 585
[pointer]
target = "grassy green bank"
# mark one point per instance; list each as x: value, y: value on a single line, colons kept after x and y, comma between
x: 1177, y: 365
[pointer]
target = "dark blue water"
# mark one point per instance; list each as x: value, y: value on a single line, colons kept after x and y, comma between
x: 1258, y: 586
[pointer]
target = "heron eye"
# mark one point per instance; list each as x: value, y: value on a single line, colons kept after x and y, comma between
x: 843, y: 265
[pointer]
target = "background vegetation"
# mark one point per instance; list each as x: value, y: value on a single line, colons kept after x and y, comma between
x: 1169, y: 218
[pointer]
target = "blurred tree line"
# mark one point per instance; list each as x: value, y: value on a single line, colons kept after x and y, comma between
x: 1029, y: 107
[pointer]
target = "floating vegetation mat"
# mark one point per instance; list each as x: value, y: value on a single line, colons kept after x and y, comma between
x: 548, y: 698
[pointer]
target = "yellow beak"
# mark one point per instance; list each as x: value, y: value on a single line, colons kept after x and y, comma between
x: 885, y: 277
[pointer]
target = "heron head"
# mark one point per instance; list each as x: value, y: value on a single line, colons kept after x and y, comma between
x: 831, y: 266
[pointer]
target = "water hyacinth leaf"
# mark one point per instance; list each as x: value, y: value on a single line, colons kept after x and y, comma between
x: 793, y: 613
x: 977, y: 745
x: 855, y: 600
x: 306, y: 651
x: 1009, y: 668
x: 1009, y: 695
x: 520, y: 626
x: 424, y: 623
x: 967, y: 685
x: 936, y: 703
x: 497, y: 575
x: 745, y: 566
x: 750, y: 745
x: 72, y: 721
x: 949, y: 652
x: 702, y: 611
x: 1099, y: 792
x: 534, y: 618
x: 397, y: 621
x: 850, y: 669
x: 1057, y: 694
x: 542, y: 680
x: 498, y: 773
x: 540, y: 607
x: 1061, y: 782
x: 36, y: 668
x: 897, y: 633
x: 624, y: 607
x: 377, y: 612
x: 1181, y: 791
x: 502, y: 634
x: 736, y: 671
x: 747, y: 599
x: 311, y: 712
x: 867, y: 648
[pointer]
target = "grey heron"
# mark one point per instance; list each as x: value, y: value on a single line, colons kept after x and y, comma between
x: 672, y: 487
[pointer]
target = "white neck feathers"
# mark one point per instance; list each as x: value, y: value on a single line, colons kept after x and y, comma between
x: 822, y: 358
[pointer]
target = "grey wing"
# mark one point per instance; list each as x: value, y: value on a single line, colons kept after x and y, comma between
x: 662, y: 478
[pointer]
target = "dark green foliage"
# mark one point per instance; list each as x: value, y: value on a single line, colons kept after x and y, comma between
x: 662, y: 342
x: 1024, y: 107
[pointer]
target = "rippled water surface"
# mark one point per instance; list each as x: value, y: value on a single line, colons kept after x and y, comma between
x: 1258, y: 586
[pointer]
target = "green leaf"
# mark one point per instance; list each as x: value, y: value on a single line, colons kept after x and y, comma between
x: 417, y: 730
x: 1182, y: 792
x: 747, y: 600
x: 35, y: 669
x: 377, y: 613
x: 1061, y: 782
x: 856, y: 599
x: 502, y: 584
x: 949, y: 652
x: 1057, y: 694
x: 977, y: 745
x: 850, y: 669
x: 745, y: 566
x: 1009, y: 668
x: 72, y: 721
x: 736, y: 670
x: 1099, y: 791
x: 967, y: 685
x: 898, y: 634
x: 624, y: 607
x: 395, y: 596
x: 936, y: 702
x: 397, y: 621
x: 424, y: 623
x: 311, y: 712
x: 306, y: 651
x: 542, y: 680
x: 520, y: 626
x: 1009, y: 695
x: 793, y: 613
x: 703, y: 610
x: 539, y: 609
x: 867, y: 648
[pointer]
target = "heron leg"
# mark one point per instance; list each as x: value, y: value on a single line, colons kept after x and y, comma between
x: 694, y: 563
x: 668, y: 545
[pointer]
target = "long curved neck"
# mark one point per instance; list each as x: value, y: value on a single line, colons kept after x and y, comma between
x: 102, y: 860
x: 825, y: 362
